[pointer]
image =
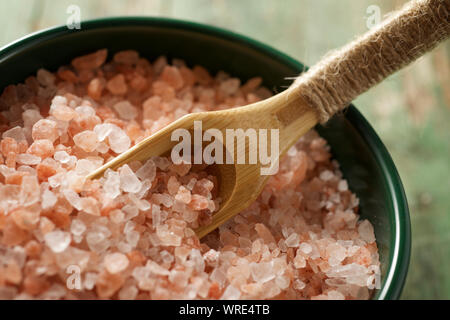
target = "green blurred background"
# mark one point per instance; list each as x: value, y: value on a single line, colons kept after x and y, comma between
x: 410, y: 111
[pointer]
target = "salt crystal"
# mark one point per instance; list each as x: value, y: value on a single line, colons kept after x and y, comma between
x: 299, y: 284
x: 305, y: 248
x: 118, y: 140
x: 16, y: 133
x: 103, y: 130
x: 365, y: 230
x: 86, y: 140
x: 48, y: 199
x: 132, y: 238
x: 111, y: 186
x: 231, y: 293
x: 128, y: 293
x: 30, y: 192
x: 28, y: 159
x: 293, y: 240
x: 61, y: 156
x: 116, y: 262
x: 129, y: 182
x: 156, y: 215
x: 77, y: 227
x: 45, y: 129
x: 30, y: 117
x: 126, y: 110
x: 326, y: 175
x: 262, y: 272
x: 342, y: 185
x: 147, y: 171
x: 131, y: 211
x: 85, y: 111
x: 57, y: 240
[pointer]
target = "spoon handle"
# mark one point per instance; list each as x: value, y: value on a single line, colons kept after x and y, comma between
x: 344, y: 74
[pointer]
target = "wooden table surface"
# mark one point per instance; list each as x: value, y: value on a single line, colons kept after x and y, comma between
x: 410, y: 111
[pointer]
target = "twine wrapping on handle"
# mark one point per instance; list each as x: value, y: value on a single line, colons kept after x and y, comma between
x: 342, y: 75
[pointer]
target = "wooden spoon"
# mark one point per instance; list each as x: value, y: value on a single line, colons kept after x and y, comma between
x: 315, y: 96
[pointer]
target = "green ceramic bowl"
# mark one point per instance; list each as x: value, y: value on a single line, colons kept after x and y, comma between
x: 364, y: 160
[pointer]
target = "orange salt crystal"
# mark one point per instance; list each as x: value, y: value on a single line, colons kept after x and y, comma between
x: 95, y: 88
x: 107, y: 284
x: 117, y: 85
x: 9, y: 145
x: 173, y: 77
x: 90, y: 61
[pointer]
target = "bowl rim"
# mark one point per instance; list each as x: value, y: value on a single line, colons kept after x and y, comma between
x: 399, y: 256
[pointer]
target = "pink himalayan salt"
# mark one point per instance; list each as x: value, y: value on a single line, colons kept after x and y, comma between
x: 288, y: 244
x: 86, y: 140
x: 45, y: 129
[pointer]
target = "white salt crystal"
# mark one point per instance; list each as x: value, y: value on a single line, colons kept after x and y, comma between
x: 128, y: 180
x: 48, y: 199
x: 366, y: 232
x: 326, y: 175
x: 118, y: 140
x: 231, y: 293
x: 293, y: 240
x: 116, y: 262
x: 125, y: 110
x: 61, y: 156
x: 299, y: 284
x: 111, y: 186
x: 147, y: 171
x: 57, y: 240
x: 156, y: 215
x: 77, y: 227
x: 131, y: 211
x: 56, y: 180
x: 102, y: 147
x: 28, y: 159
x: 342, y: 185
